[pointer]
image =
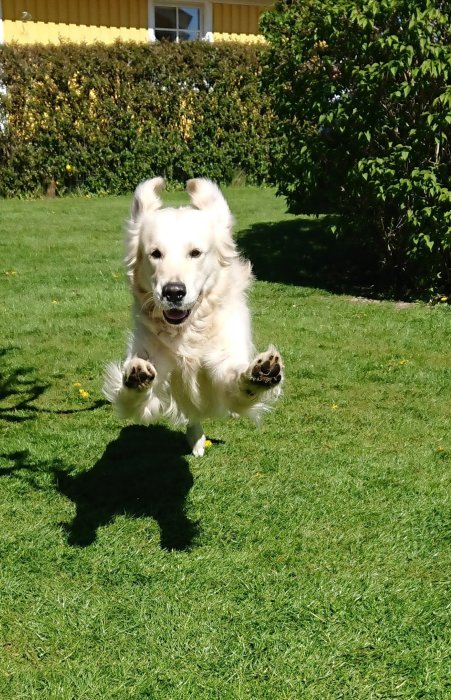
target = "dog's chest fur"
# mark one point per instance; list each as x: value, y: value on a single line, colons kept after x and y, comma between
x: 192, y: 351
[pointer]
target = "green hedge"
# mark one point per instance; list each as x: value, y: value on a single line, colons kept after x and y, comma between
x: 99, y: 119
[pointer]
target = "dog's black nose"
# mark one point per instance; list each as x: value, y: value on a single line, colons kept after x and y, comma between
x: 174, y: 291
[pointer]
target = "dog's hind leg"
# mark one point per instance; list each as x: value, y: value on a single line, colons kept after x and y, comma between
x: 196, y: 439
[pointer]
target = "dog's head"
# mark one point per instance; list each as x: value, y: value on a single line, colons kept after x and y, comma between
x: 175, y: 255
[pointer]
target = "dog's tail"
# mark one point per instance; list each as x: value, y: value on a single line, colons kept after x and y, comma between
x: 112, y: 381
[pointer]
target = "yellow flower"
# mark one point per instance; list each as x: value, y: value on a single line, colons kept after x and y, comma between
x: 83, y: 394
x: 443, y: 298
x: 77, y: 385
x: 68, y: 167
x: 208, y: 443
x: 334, y: 406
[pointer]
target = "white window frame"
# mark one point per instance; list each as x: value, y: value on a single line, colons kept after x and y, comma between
x: 206, y: 19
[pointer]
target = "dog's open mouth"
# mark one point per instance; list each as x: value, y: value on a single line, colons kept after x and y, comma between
x: 176, y: 316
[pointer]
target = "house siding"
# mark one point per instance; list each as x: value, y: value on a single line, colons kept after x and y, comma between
x: 53, y: 21
x: 235, y: 19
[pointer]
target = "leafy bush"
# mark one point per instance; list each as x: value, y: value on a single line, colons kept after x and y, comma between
x: 362, y: 96
x: 100, y: 118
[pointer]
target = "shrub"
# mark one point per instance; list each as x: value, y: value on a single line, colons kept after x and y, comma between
x: 102, y: 118
x: 362, y: 96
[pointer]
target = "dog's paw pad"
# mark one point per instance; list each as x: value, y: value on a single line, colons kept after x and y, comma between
x: 267, y: 369
x: 139, y: 374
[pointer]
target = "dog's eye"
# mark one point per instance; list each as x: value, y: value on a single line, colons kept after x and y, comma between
x: 156, y: 254
x: 195, y: 253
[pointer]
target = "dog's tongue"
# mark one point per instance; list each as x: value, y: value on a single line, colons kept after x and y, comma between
x: 176, y: 315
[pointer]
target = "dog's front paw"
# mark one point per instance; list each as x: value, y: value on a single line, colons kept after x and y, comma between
x: 138, y: 374
x: 266, y: 370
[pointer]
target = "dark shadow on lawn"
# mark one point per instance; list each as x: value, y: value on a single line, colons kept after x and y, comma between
x: 142, y: 473
x: 21, y: 465
x: 19, y: 388
x: 304, y: 251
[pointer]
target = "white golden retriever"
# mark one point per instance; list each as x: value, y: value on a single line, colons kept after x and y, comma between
x: 191, y: 353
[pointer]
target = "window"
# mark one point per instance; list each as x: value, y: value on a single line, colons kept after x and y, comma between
x: 177, y: 23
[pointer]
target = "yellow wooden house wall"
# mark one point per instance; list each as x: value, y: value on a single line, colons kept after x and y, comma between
x: 52, y: 21
x: 49, y: 21
x: 235, y: 19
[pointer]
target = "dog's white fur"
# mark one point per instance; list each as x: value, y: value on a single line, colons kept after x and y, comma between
x: 203, y: 365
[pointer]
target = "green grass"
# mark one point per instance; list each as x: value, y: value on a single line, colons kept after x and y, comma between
x: 308, y: 559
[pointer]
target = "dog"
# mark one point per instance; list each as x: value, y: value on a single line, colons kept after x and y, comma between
x: 191, y: 354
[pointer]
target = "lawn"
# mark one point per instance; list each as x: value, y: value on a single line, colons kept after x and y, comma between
x: 308, y: 559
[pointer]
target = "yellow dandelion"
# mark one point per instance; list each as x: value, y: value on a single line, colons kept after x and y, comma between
x: 83, y: 394
x: 443, y: 298
x: 334, y: 406
x: 208, y: 443
x: 69, y: 167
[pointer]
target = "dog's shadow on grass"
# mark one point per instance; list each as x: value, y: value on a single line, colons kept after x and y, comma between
x: 143, y: 473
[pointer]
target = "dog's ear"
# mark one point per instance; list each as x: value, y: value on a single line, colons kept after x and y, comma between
x: 206, y: 196
x: 145, y: 199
